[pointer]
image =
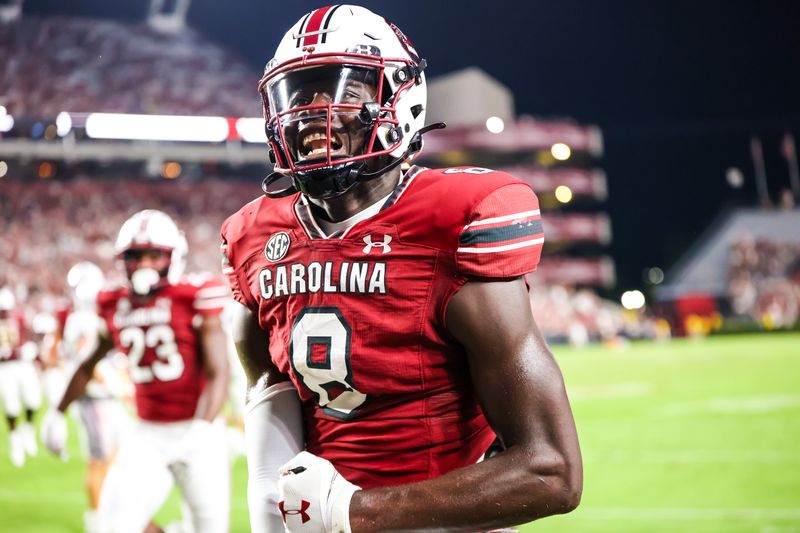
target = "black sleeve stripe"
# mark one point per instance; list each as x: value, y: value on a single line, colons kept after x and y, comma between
x: 501, y: 234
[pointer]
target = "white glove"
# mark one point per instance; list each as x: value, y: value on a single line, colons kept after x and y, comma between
x: 54, y: 433
x: 53, y: 384
x: 313, y: 496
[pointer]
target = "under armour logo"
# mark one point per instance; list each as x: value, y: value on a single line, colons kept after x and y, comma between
x: 370, y: 245
x: 304, y: 505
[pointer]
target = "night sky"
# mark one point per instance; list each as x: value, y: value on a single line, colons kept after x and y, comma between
x: 678, y: 87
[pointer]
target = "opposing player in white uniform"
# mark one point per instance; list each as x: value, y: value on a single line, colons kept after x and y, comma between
x: 169, y: 328
x: 20, y: 389
x: 100, y: 411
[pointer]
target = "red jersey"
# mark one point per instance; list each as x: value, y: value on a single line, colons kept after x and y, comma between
x: 159, y: 337
x: 357, y: 320
x: 12, y: 335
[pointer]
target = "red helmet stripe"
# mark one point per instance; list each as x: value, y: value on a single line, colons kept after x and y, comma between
x: 314, y: 24
x: 328, y: 21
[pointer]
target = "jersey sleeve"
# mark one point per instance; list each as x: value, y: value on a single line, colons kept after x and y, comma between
x: 233, y: 272
x: 211, y: 297
x: 504, y: 236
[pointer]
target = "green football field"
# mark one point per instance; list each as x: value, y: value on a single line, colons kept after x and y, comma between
x: 695, y: 436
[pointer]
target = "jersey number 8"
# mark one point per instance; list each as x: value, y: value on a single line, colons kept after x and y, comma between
x: 319, y: 353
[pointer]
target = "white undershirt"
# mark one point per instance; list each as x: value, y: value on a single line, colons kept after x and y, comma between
x: 332, y: 227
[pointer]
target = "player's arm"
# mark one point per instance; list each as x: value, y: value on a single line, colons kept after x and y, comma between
x: 54, y: 425
x: 83, y: 374
x: 214, y: 350
x: 272, y: 422
x: 521, y: 391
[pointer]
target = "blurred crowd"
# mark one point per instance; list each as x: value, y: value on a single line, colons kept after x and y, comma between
x: 580, y: 316
x: 83, y: 65
x: 764, y: 281
x: 48, y: 226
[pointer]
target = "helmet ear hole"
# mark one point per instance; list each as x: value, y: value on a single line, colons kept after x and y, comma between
x: 416, y: 110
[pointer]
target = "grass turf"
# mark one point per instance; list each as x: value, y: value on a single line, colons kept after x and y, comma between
x: 698, y: 436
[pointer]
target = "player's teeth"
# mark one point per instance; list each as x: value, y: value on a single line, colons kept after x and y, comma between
x: 318, y: 151
x: 308, y: 139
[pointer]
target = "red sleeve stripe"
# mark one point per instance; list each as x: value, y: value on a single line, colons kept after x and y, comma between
x: 505, y: 218
x: 504, y: 248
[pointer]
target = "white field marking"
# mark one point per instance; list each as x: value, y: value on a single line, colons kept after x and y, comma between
x: 734, y: 405
x: 694, y: 456
x: 653, y: 514
x: 71, y: 499
x: 611, y: 391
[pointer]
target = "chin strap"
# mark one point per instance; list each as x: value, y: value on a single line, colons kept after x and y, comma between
x: 356, y: 173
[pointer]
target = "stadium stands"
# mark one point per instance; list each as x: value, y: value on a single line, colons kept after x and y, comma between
x: 50, y: 225
x: 764, y: 280
x: 85, y: 65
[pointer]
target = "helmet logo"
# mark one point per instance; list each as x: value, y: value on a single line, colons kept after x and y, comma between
x: 277, y: 246
x: 365, y: 49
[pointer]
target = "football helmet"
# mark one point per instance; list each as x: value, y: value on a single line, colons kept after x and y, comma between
x: 85, y: 279
x: 345, y: 88
x: 151, y: 229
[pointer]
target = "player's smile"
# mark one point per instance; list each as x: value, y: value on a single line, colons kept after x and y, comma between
x: 313, y: 142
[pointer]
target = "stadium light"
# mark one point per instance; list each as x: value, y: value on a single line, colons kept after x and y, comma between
x: 156, y: 127
x: 655, y: 275
x: 632, y: 300
x: 46, y: 170
x: 495, y: 124
x: 251, y: 130
x: 734, y: 177
x: 6, y: 120
x: 63, y: 124
x: 3, y: 169
x: 171, y: 170
x: 560, y: 151
x: 563, y: 194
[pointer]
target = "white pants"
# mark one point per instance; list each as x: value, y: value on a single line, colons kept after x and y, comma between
x: 103, y: 422
x: 155, y: 456
x: 19, y: 387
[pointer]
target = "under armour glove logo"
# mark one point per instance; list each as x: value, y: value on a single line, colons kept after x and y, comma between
x: 304, y: 505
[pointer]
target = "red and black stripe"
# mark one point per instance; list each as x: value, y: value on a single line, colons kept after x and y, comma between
x: 314, y: 23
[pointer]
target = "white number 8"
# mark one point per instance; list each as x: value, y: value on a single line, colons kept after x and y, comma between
x: 327, y: 374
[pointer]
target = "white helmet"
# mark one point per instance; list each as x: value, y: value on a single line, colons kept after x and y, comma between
x: 153, y: 229
x: 7, y: 300
x: 332, y: 49
x: 85, y: 279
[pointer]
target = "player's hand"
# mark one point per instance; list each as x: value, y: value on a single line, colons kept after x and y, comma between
x: 313, y: 497
x: 54, y: 433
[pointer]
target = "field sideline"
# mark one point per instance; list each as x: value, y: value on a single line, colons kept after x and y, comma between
x: 699, y: 436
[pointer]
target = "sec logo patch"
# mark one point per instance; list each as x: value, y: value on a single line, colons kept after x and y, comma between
x: 277, y: 246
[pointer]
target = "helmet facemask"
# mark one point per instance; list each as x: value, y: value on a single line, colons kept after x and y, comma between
x: 329, y: 120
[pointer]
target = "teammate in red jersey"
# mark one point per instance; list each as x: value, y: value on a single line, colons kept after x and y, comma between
x: 20, y: 389
x: 168, y: 326
x: 385, y: 324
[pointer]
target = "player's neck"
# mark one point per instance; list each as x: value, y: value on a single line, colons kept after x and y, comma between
x: 359, y: 198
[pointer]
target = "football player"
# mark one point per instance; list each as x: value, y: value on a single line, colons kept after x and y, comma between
x: 19, y: 383
x: 102, y: 416
x: 384, y: 321
x: 169, y: 328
